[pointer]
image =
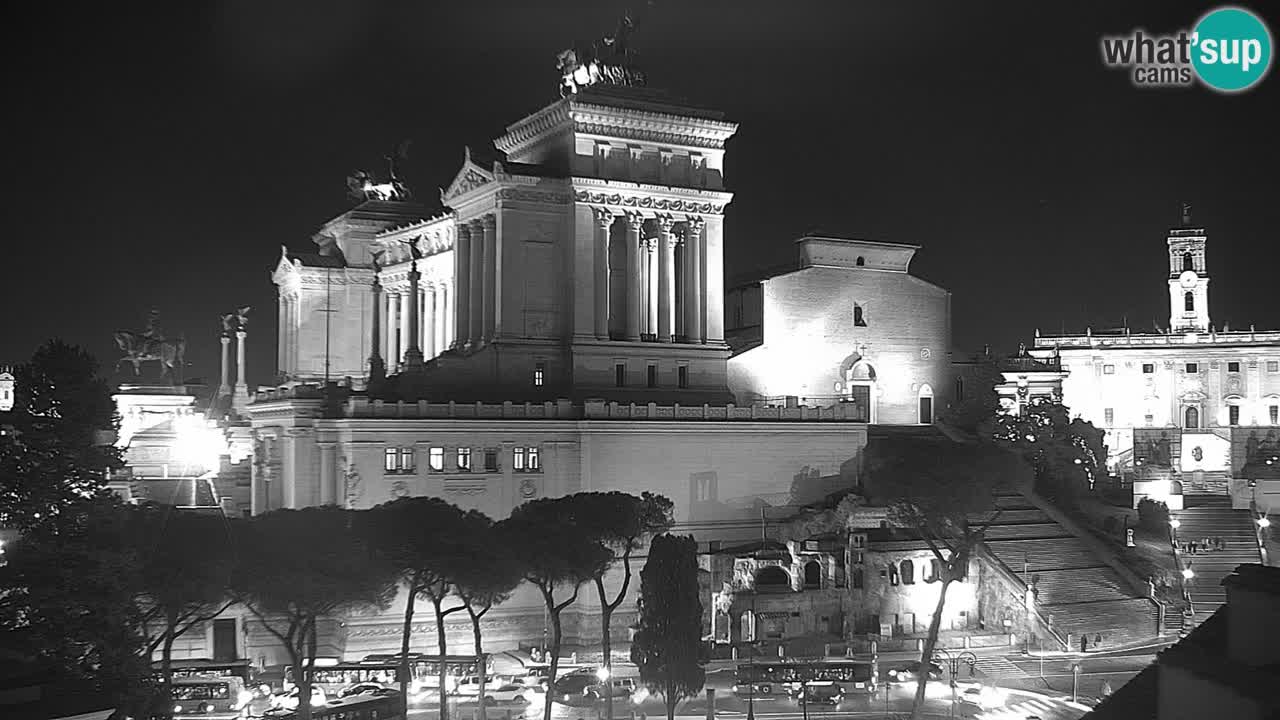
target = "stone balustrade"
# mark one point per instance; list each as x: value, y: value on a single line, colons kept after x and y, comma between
x: 358, y: 407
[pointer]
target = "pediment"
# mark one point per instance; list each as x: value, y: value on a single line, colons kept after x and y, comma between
x: 284, y: 268
x: 469, y: 177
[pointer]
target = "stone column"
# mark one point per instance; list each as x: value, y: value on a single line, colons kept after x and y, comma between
x: 446, y: 318
x: 377, y: 368
x: 489, y: 326
x: 666, y: 279
x: 634, y: 289
x: 604, y: 221
x: 429, y: 346
x: 402, y: 327
x: 694, y: 301
x: 462, y: 281
x: 329, y: 490
x: 241, y: 397
x: 713, y: 279
x: 393, y: 331
x: 224, y: 388
x: 651, y: 286
x: 413, y: 323
x: 475, y: 329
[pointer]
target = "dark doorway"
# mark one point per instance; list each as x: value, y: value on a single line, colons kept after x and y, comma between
x: 1193, y: 418
x: 926, y: 410
x: 224, y: 640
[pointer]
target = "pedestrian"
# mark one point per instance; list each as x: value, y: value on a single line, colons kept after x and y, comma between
x: 1084, y: 643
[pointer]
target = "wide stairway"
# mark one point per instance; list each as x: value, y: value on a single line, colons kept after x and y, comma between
x: 1211, y: 516
x: 1077, y: 591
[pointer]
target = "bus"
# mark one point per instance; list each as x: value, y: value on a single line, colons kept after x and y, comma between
x: 770, y: 678
x: 360, y: 707
x: 205, y: 668
x: 384, y: 670
x: 211, y: 698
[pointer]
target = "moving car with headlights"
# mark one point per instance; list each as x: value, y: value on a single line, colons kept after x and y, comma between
x: 820, y: 692
x: 289, y: 698
x: 617, y: 687
x: 909, y: 671
x: 216, y: 698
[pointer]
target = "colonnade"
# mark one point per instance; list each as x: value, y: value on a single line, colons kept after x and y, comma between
x: 665, y: 276
x: 435, y: 321
x: 475, y: 268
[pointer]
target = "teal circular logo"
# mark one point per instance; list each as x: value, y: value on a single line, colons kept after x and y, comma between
x: 1231, y: 49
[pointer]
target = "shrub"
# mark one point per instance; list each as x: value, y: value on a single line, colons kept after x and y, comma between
x: 1153, y: 515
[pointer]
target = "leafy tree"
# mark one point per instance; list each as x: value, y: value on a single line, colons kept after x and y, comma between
x: 487, y: 580
x: 556, y: 547
x: 944, y: 492
x: 54, y: 444
x: 620, y: 522
x: 428, y: 543
x: 299, y: 566
x: 667, y: 646
x: 186, y: 563
x: 1067, y: 455
x: 69, y: 589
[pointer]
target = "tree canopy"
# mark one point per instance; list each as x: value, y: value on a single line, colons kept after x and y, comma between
x: 667, y: 647
x: 1067, y: 455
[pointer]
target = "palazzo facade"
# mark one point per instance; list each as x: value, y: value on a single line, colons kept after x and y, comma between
x: 1193, y: 409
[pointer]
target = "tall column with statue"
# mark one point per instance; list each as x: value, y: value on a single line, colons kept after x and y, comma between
x: 413, y: 353
x: 224, y: 387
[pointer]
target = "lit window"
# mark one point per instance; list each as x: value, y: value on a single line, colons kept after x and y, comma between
x: 1110, y: 416
x: 464, y: 459
x: 406, y: 459
x: 1148, y: 368
x: 620, y: 374
x: 1193, y: 368
x: 398, y: 460
x: 1108, y: 369
x: 391, y: 460
x: 652, y: 376
x: 491, y: 461
x: 436, y: 459
x: 682, y: 376
x: 525, y: 459
x: 538, y: 374
x: 1233, y: 367
x: 1273, y: 366
x: 1233, y: 415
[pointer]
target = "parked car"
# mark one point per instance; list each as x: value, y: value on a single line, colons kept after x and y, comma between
x: 504, y: 693
x: 618, y: 687
x: 469, y: 686
x: 574, y: 687
x: 821, y: 692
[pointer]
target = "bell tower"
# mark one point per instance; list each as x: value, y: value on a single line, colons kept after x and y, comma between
x: 1188, y: 277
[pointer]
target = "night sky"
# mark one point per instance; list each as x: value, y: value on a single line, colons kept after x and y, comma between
x: 160, y: 155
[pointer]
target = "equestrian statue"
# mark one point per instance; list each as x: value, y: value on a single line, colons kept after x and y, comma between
x: 152, y: 345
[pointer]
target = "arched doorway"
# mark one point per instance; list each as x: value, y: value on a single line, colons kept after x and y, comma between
x: 772, y: 578
x: 925, y: 402
x: 1192, y: 417
x: 860, y: 390
x: 813, y: 574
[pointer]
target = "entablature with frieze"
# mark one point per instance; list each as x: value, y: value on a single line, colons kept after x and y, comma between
x: 656, y: 198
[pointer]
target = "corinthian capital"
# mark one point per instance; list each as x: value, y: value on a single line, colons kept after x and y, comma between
x: 695, y: 223
x: 635, y: 221
x: 665, y: 223
x: 604, y: 217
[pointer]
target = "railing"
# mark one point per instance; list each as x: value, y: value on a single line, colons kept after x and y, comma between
x: 360, y: 407
x: 1011, y: 577
x: 1177, y: 338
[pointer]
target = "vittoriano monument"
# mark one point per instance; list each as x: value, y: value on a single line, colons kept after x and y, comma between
x: 151, y: 345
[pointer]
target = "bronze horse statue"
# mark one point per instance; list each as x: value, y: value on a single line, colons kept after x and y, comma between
x: 139, y: 348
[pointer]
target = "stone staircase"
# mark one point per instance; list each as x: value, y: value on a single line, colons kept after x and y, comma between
x: 1076, y: 590
x: 1211, y: 516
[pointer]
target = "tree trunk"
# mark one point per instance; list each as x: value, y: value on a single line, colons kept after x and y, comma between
x: 442, y: 646
x: 670, y: 696
x: 304, y: 691
x: 484, y: 666
x: 166, y: 651
x: 555, y: 653
x: 404, y: 645
x: 606, y: 647
x: 926, y: 656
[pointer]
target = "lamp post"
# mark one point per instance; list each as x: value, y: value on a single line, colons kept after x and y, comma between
x: 1075, y: 682
x: 953, y: 663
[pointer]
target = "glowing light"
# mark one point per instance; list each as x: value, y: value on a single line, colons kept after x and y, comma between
x: 603, y: 674
x: 640, y: 696
x: 1188, y: 573
x: 199, y: 443
x: 1263, y: 522
x: 1175, y: 523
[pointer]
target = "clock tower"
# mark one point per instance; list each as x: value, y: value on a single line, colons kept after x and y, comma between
x: 1188, y: 278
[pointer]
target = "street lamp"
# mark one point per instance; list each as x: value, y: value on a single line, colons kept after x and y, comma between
x: 1187, y: 572
x: 1264, y: 522
x: 953, y: 663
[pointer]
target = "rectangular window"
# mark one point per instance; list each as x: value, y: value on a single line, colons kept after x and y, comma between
x: 1275, y: 414
x: 535, y: 462
x: 406, y: 459
x: 1233, y: 415
x: 491, y: 461
x: 517, y: 459
x: 391, y: 460
x: 620, y: 374
x: 682, y: 376
x: 538, y: 374
x: 464, y: 459
x: 652, y: 377
x: 1108, y: 369
x: 1110, y: 415
x: 1193, y: 368
x: 1273, y: 366
x: 1233, y: 367
x: 1150, y: 420
x: 1148, y: 368
x: 436, y: 459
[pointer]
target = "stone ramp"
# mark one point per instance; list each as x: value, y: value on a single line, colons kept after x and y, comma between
x: 1211, y: 516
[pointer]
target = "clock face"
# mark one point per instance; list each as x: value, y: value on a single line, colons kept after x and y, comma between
x: 1188, y: 278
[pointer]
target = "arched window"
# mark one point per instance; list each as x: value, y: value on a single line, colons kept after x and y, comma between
x: 893, y: 574
x: 908, y: 572
x: 859, y: 319
x: 813, y: 574
x: 772, y: 578
x: 933, y: 573
x: 861, y: 261
x: 1189, y: 302
x: 1193, y: 418
x: 1188, y: 262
